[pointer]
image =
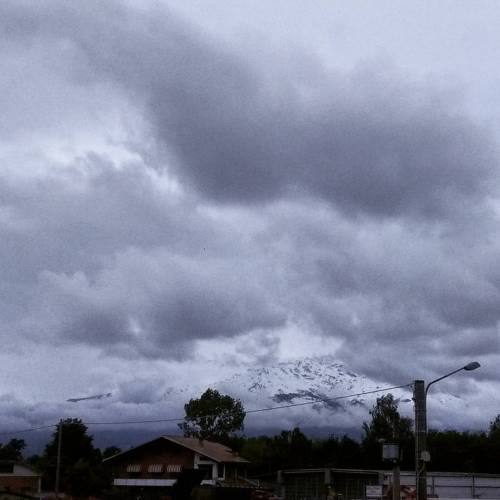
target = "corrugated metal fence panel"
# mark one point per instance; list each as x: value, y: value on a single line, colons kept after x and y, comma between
x: 305, y: 487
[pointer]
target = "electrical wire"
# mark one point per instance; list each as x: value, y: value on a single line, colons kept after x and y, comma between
x: 258, y: 410
x: 327, y: 400
x: 31, y: 429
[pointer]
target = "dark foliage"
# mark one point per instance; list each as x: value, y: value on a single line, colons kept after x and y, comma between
x: 13, y: 450
x: 293, y: 449
x: 213, y: 416
x: 386, y: 425
x: 81, y: 472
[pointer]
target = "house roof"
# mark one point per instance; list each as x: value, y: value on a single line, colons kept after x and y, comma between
x: 215, y: 451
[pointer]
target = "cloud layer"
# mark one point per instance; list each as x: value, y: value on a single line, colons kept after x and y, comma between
x: 165, y: 195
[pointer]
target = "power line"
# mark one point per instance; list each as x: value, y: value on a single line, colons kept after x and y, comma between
x: 122, y: 422
x: 327, y: 400
x: 32, y: 429
x: 258, y: 410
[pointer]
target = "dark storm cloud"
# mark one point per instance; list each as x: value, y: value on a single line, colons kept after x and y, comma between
x: 377, y: 156
x: 75, y: 217
x: 177, y: 300
x: 246, y: 130
x: 106, y: 258
x: 402, y: 300
x: 270, y: 159
x: 140, y: 391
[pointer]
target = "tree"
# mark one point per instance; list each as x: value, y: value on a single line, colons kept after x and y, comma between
x: 213, y: 416
x: 494, y: 431
x: 342, y: 452
x: 459, y: 451
x: 13, y: 450
x: 80, y: 472
x: 289, y: 449
x: 386, y: 425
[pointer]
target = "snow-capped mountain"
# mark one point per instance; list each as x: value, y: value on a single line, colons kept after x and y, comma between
x: 326, y: 392
x: 314, y: 378
x: 320, y: 394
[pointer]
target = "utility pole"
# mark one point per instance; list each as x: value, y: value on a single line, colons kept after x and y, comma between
x: 396, y: 483
x: 421, y: 455
x: 58, y: 465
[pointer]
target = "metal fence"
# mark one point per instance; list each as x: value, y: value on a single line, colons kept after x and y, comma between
x: 350, y: 484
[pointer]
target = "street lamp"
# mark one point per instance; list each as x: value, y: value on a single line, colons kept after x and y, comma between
x: 422, y: 456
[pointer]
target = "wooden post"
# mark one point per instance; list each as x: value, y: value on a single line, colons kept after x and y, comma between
x: 58, y: 465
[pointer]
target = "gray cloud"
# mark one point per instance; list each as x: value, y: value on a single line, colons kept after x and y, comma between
x: 128, y: 269
x: 364, y: 142
x: 118, y: 266
x: 140, y: 391
x: 241, y: 200
x: 400, y: 298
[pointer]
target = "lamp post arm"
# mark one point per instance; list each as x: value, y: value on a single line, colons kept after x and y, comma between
x: 441, y: 378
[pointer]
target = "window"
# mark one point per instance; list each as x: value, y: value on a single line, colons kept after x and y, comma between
x: 220, y: 471
x: 174, y: 468
x: 155, y: 468
x: 207, y: 471
x: 134, y: 468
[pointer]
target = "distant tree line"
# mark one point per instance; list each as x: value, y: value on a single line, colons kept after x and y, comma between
x: 451, y: 450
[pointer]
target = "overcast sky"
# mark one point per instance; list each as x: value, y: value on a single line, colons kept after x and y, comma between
x: 191, y: 187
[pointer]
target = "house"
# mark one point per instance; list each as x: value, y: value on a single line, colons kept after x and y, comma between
x: 17, y: 477
x: 172, y: 460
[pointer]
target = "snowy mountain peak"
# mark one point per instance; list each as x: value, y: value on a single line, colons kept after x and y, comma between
x: 320, y: 387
